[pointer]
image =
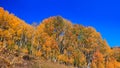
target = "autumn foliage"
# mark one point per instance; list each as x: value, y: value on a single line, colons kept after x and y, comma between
x: 58, y: 40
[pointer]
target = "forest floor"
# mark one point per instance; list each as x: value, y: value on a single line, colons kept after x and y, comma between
x: 13, y: 59
x: 10, y: 59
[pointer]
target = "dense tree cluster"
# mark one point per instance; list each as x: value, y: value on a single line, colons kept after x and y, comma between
x: 58, y: 40
x: 116, y: 53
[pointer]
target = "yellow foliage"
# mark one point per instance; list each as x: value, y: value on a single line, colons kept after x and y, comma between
x: 117, y: 64
x: 62, y: 58
x: 110, y: 65
x: 38, y: 53
x: 1, y: 43
x: 10, y: 42
x: 24, y: 50
x: 70, y: 61
x: 93, y: 65
x: 56, y: 35
x: 48, y: 49
x: 100, y: 65
x: 16, y: 47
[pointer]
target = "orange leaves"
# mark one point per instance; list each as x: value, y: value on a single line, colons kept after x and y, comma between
x: 1, y: 43
x: 50, y: 42
x: 10, y: 42
x: 49, y: 46
x: 38, y: 53
x: 54, y: 37
x: 51, y: 28
x: 110, y: 65
x: 6, y: 33
x: 98, y: 60
x: 95, y: 45
x: 62, y: 58
x: 70, y: 60
x: 70, y: 48
x: 1, y: 13
x: 16, y: 47
x: 19, y: 32
x: 111, y: 62
x: 48, y: 49
x: 93, y: 65
x: 116, y: 53
x: 41, y: 28
x: 1, y: 9
x: 98, y: 57
x: 118, y: 64
x: 24, y: 50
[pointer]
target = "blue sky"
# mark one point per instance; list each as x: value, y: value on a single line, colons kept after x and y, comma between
x: 104, y: 15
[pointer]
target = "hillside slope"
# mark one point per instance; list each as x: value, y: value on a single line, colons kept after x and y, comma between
x: 55, y: 40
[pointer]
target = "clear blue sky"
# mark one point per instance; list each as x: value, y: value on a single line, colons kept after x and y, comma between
x: 104, y: 15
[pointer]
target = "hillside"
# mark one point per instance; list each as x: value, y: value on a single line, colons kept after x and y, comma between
x: 54, y: 43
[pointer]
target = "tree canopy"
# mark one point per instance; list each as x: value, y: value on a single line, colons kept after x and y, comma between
x: 58, y: 40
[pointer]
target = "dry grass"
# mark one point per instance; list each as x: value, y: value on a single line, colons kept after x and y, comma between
x: 49, y: 64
